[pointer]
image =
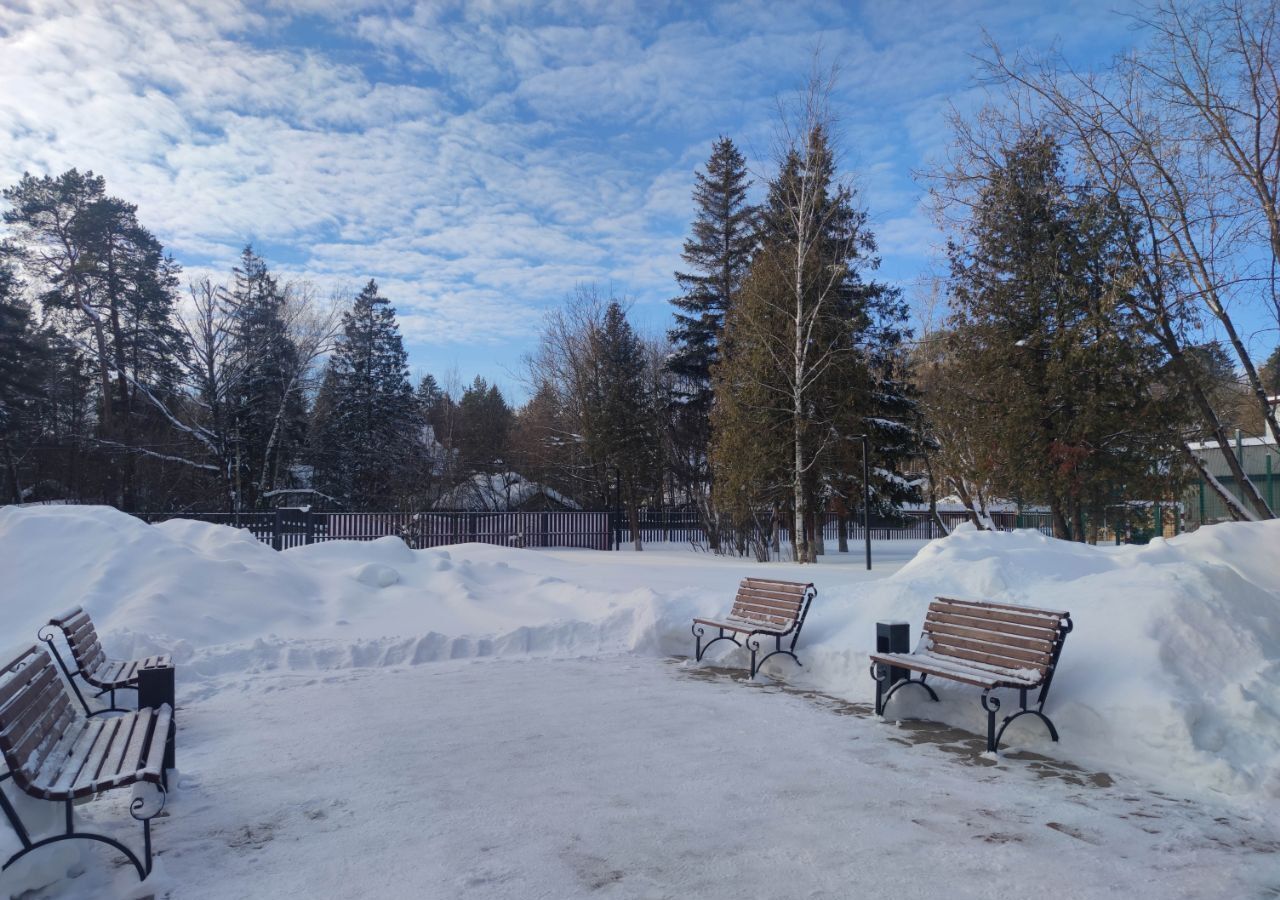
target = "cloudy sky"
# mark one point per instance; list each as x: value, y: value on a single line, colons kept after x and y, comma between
x: 480, y: 159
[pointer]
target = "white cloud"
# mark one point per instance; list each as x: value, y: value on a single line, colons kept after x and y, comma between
x: 477, y: 158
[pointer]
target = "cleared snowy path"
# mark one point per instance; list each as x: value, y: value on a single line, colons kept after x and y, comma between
x: 637, y: 777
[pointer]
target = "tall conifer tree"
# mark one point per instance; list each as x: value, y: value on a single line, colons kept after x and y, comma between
x: 717, y: 253
x: 365, y: 435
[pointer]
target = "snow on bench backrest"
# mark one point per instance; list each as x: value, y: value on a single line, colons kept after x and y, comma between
x: 774, y: 603
x: 82, y: 638
x: 34, y: 710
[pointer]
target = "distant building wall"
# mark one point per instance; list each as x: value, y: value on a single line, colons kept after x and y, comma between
x: 1260, y: 460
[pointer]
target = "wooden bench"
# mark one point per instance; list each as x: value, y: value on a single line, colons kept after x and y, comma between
x: 52, y: 752
x: 762, y: 608
x: 988, y: 645
x: 91, y: 663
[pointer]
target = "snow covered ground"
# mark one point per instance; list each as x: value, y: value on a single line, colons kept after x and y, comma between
x: 364, y: 720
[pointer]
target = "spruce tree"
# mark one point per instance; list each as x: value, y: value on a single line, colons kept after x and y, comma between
x: 618, y: 420
x: 1270, y: 373
x: 266, y: 406
x: 812, y: 355
x: 364, y: 436
x: 484, y: 428
x: 717, y: 252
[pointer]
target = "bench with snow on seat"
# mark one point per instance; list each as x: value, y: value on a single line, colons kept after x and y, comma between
x: 52, y: 752
x: 91, y: 663
x: 762, y: 608
x: 989, y: 645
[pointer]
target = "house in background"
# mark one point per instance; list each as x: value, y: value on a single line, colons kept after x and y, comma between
x: 1260, y: 459
x: 504, y: 492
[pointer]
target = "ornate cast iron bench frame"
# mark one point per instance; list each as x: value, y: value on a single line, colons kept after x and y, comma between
x: 762, y: 608
x: 989, y: 645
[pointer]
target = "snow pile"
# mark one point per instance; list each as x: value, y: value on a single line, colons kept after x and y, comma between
x: 1173, y: 667
x: 1173, y: 670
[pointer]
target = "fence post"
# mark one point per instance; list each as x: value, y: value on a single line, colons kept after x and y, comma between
x: 277, y: 529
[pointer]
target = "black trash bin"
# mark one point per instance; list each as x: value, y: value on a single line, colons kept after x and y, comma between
x: 893, y: 637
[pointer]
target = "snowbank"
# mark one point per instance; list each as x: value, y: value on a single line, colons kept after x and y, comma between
x: 1173, y: 670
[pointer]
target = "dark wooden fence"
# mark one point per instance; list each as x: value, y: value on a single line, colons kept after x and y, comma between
x: 683, y: 526
x: 285, y: 528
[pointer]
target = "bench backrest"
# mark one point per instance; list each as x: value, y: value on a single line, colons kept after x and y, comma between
x: 778, y: 604
x: 82, y: 638
x: 35, y: 710
x: 996, y: 634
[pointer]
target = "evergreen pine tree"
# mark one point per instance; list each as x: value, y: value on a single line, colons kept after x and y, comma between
x: 266, y: 407
x: 110, y: 286
x: 484, y: 428
x: 618, y: 419
x: 364, y: 437
x: 25, y: 365
x: 1270, y: 373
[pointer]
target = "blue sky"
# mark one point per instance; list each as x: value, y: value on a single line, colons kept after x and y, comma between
x: 480, y: 159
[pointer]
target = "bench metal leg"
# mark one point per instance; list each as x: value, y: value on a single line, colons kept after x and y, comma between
x: 143, y: 866
x: 880, y: 673
x: 699, y: 631
x: 994, y: 736
x: 753, y: 643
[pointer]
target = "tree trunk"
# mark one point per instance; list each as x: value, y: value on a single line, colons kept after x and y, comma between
x: 962, y: 491
x: 842, y: 531
x: 800, y: 550
x: 1061, y: 529
x: 12, y: 467
x: 633, y: 516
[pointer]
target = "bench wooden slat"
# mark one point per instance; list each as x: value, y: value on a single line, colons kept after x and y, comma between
x: 26, y: 710
x: 740, y: 626
x: 57, y: 757
x: 956, y: 670
x: 772, y: 623
x: 1038, y: 622
x: 1009, y: 628
x: 82, y: 633
x: 943, y: 625
x: 18, y: 672
x: 797, y: 586
x: 991, y: 659
x: 15, y: 695
x: 752, y: 609
x: 36, y: 751
x: 152, y: 767
x: 1035, y: 658
x: 69, y: 617
x: 780, y: 602
x: 745, y: 611
x: 1052, y: 614
x: 115, y: 756
x: 792, y: 601
x: 918, y: 664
